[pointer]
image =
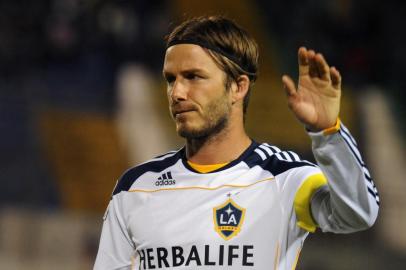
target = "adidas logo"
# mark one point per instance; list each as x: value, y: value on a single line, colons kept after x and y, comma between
x: 165, y: 180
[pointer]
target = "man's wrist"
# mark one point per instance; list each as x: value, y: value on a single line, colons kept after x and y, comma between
x: 326, y: 131
x: 333, y: 129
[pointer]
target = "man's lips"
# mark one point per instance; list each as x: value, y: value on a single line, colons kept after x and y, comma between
x: 179, y: 110
x: 181, y: 113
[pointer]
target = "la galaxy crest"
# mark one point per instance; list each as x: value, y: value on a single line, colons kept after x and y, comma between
x: 228, y: 219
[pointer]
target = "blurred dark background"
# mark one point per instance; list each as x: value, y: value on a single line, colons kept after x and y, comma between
x: 82, y: 99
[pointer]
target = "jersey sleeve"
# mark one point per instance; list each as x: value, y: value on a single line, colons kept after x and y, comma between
x: 115, y: 248
x: 350, y: 201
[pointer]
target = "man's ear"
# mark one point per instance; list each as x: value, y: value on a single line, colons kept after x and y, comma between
x: 240, y: 88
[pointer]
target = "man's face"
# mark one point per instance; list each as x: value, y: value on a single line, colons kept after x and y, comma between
x: 198, y: 100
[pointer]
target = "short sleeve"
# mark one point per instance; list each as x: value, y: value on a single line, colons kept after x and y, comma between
x: 115, y: 248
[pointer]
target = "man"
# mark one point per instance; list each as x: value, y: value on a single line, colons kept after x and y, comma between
x: 225, y: 201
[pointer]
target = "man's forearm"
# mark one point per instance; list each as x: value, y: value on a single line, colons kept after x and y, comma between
x: 350, y: 202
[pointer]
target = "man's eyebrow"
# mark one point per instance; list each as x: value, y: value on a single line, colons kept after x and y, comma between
x: 193, y: 70
x: 185, y: 71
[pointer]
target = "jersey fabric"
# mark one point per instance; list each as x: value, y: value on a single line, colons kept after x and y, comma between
x: 253, y: 213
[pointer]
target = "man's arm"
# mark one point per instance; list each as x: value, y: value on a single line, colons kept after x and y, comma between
x: 350, y: 201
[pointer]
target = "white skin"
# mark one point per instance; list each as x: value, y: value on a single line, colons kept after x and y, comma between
x: 210, y: 117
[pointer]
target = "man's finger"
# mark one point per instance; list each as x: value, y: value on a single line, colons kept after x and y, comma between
x: 303, y: 61
x: 313, y: 70
x: 322, y: 67
x: 335, y: 78
x: 289, y: 85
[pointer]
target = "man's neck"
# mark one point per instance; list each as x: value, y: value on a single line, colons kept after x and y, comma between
x: 223, y: 147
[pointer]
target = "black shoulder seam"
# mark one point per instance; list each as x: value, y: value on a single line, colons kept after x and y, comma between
x: 274, y: 160
x: 154, y: 165
x: 277, y: 166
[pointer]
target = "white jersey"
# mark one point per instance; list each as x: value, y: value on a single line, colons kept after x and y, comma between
x: 253, y: 213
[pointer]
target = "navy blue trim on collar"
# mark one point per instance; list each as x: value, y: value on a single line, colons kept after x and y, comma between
x: 242, y: 157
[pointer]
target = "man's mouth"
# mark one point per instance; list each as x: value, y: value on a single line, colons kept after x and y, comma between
x: 178, y: 111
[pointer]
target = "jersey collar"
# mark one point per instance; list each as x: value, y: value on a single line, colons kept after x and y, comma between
x: 242, y: 157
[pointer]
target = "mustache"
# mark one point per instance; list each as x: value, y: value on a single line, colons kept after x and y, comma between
x: 180, y: 107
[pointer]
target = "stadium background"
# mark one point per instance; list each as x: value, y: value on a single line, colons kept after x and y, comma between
x: 82, y: 99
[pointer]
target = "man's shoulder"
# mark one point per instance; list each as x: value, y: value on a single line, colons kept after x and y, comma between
x: 276, y: 160
x: 156, y: 164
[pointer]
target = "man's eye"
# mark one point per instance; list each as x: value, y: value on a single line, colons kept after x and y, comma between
x: 192, y: 76
x: 170, y: 79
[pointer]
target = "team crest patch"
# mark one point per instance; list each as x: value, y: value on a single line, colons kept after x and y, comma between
x: 228, y: 219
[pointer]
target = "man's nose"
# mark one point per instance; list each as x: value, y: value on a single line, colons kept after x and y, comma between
x: 178, y: 91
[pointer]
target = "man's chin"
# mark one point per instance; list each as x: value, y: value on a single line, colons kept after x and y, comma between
x: 202, y: 133
x: 191, y: 134
x: 188, y: 132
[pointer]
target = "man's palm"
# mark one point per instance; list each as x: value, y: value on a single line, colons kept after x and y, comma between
x: 316, y: 100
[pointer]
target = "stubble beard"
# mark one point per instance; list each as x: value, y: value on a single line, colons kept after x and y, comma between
x: 216, y: 119
x: 210, y: 129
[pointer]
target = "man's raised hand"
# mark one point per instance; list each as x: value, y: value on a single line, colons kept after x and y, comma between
x: 316, y: 99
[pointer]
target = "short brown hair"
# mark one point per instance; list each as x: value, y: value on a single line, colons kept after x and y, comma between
x: 227, y: 37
